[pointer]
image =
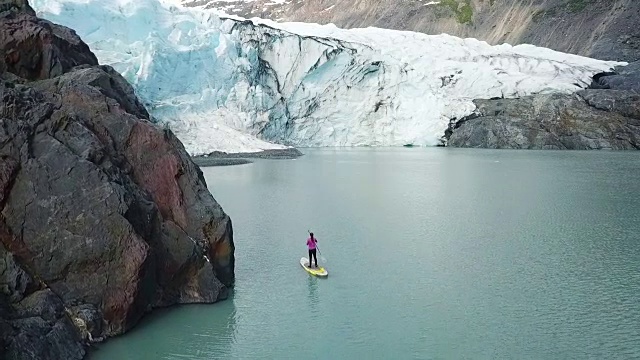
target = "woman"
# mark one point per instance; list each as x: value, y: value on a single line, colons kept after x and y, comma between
x: 311, y: 244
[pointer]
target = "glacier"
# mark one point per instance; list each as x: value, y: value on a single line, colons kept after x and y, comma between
x: 241, y: 85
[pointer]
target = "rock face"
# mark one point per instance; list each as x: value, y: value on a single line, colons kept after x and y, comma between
x: 603, y: 29
x: 36, y: 49
x: 103, y: 215
x: 606, y: 116
x: 33, y: 320
x: 624, y: 78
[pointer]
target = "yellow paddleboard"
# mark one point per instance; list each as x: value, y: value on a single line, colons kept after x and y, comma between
x: 304, y: 262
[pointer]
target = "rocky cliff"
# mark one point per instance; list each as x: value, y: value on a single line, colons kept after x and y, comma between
x: 104, y: 216
x: 605, y: 116
x: 604, y: 29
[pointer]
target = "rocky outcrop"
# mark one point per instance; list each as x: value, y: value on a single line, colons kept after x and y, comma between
x: 104, y: 216
x: 219, y: 158
x: 603, y: 29
x: 36, y: 49
x: 606, y: 116
x: 624, y: 78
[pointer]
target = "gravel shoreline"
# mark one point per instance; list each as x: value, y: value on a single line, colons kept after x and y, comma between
x: 218, y: 158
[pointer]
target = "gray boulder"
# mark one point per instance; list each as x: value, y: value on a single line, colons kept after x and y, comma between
x: 606, y: 116
x: 550, y: 122
x: 624, y: 78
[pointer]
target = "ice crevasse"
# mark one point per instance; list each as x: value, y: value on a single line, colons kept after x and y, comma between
x: 236, y: 85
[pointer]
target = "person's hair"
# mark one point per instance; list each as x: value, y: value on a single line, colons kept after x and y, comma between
x: 311, y: 234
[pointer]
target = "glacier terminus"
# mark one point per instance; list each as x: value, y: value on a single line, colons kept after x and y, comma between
x: 223, y: 83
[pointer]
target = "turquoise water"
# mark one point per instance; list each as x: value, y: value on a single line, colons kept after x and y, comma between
x: 432, y: 254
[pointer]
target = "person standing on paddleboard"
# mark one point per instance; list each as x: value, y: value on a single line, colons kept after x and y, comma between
x: 311, y: 244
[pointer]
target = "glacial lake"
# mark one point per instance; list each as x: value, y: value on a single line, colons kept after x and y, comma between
x: 432, y: 253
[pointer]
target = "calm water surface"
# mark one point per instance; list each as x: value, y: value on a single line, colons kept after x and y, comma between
x: 432, y: 254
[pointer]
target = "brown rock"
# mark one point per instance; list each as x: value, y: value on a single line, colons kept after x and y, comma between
x: 36, y: 49
x: 101, y: 208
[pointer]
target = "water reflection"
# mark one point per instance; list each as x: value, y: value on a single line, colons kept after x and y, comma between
x: 212, y: 329
x: 312, y: 284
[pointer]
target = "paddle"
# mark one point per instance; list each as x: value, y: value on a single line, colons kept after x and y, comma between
x: 322, y: 258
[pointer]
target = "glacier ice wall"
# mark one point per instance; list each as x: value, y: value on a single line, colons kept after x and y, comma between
x: 223, y: 84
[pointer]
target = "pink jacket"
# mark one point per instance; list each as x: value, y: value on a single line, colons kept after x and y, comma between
x: 311, y: 243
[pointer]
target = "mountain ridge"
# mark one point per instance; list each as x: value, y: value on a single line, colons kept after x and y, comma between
x: 602, y: 29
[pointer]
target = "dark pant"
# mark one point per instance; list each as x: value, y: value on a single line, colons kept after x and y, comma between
x: 313, y: 252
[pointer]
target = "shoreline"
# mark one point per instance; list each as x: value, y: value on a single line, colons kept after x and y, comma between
x: 219, y: 158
